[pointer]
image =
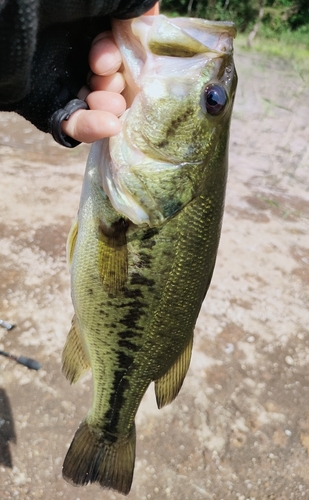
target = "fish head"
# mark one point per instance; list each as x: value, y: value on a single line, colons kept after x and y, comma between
x: 182, y: 76
x: 181, y: 83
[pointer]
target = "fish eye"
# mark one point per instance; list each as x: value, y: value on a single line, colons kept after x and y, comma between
x: 214, y: 99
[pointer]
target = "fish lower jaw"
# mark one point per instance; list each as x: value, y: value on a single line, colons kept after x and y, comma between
x: 124, y: 203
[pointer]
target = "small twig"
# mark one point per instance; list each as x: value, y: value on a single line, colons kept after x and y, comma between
x: 7, y: 326
x: 257, y: 25
x: 32, y: 364
x: 190, y: 7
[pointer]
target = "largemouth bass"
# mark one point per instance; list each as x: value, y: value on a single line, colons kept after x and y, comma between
x: 143, y: 249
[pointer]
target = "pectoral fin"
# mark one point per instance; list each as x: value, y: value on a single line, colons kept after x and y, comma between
x: 168, y: 386
x: 113, y: 255
x: 71, y: 241
x: 74, y: 358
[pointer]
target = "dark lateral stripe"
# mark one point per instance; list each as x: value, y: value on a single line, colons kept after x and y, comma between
x: 133, y: 294
x: 117, y: 396
x: 128, y: 334
x: 125, y: 360
x: 138, y: 279
x: 133, y: 304
x: 131, y: 309
x: 131, y: 318
x: 145, y: 259
x: 128, y: 345
x: 149, y: 233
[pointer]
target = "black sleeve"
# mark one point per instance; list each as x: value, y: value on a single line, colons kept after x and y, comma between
x: 18, y: 32
x: 44, y: 49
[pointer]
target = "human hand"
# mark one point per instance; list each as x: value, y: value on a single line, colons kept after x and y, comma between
x: 103, y: 94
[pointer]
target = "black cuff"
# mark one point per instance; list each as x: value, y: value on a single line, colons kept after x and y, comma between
x: 64, y: 114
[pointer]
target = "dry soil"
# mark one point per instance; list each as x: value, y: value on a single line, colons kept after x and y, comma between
x: 240, y: 427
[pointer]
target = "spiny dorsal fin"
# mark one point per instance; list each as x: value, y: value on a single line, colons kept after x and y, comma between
x: 113, y: 255
x: 74, y: 358
x: 71, y: 241
x: 168, y: 386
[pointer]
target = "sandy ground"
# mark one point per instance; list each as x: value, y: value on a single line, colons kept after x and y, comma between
x: 240, y: 427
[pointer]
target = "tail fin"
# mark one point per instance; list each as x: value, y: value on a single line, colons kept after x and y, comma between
x: 93, y: 457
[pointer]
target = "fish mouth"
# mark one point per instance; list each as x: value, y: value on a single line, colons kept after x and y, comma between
x: 142, y: 39
x: 184, y: 37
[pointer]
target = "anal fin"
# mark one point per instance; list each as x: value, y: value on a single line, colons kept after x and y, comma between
x: 74, y: 358
x: 168, y: 386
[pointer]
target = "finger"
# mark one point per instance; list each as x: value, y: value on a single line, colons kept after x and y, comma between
x: 104, y: 56
x: 91, y: 125
x: 98, y: 122
x: 83, y: 93
x: 154, y: 11
x: 106, y: 101
x: 113, y: 83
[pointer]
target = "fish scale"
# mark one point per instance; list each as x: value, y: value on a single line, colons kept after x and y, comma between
x: 174, y: 317
x: 143, y: 249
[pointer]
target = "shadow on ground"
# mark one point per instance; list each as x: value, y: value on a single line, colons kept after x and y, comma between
x: 7, y: 430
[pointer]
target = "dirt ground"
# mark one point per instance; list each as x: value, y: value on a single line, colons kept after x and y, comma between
x: 240, y: 427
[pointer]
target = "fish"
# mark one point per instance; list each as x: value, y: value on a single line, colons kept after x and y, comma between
x: 143, y: 248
